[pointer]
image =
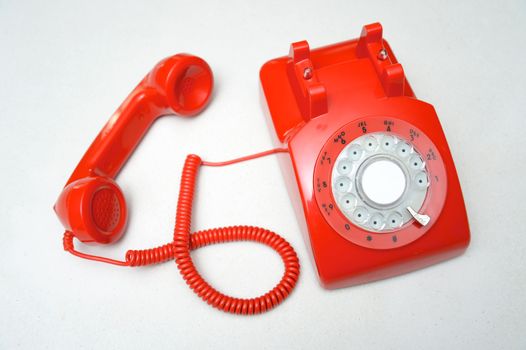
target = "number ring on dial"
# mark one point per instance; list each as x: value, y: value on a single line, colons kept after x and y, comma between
x: 356, y: 214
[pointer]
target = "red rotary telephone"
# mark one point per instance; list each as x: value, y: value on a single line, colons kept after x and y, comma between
x: 377, y: 182
x: 378, y: 186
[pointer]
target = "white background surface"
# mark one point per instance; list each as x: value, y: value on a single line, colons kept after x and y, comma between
x: 65, y: 67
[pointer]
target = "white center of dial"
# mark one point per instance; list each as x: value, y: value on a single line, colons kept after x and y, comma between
x: 375, y: 178
x: 383, y: 181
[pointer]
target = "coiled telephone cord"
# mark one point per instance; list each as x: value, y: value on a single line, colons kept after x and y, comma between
x: 184, y: 241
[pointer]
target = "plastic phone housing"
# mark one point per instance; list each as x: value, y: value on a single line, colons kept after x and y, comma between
x: 358, y: 87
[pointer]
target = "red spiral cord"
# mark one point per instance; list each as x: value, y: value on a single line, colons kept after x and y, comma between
x: 184, y: 242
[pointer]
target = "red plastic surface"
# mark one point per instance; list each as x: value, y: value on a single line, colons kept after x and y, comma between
x: 357, y: 80
x: 92, y: 205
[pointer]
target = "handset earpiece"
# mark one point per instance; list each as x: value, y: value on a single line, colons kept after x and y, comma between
x: 186, y: 82
x: 91, y: 204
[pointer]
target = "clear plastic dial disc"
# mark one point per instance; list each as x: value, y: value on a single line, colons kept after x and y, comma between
x: 380, y: 182
x: 385, y: 175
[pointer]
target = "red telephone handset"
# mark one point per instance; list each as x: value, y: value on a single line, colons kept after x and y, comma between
x: 92, y: 205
